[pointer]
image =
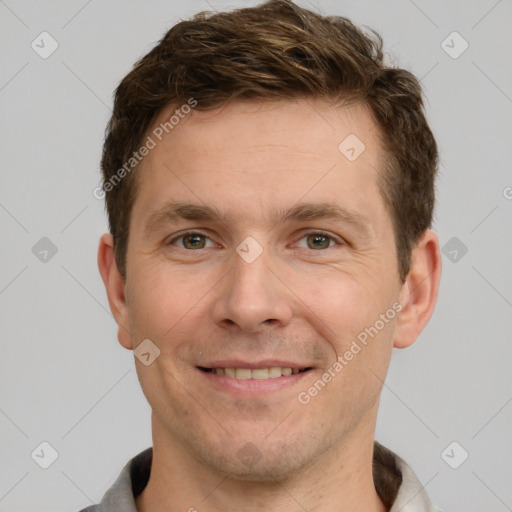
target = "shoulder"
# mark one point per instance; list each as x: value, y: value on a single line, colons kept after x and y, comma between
x: 120, y: 497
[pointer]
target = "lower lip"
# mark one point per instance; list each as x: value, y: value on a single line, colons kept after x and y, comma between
x: 253, y: 386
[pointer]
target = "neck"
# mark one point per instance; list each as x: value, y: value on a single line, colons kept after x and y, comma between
x: 338, y: 480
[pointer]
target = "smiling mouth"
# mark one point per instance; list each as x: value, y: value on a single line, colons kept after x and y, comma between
x: 273, y: 372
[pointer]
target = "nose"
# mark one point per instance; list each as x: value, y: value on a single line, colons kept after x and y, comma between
x: 251, y: 297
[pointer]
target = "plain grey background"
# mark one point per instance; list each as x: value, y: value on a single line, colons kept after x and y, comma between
x: 66, y: 381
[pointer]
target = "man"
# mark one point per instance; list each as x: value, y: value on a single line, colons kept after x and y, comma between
x: 270, y: 185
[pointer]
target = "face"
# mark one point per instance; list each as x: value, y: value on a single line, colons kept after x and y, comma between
x: 259, y: 252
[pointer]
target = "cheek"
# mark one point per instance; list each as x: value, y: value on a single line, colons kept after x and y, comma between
x: 344, y: 308
x: 160, y: 299
x: 339, y: 301
x: 170, y: 309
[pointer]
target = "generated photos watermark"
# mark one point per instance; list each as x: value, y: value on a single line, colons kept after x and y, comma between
x: 150, y: 143
x: 355, y: 348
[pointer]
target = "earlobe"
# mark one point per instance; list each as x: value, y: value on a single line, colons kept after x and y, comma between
x: 115, y: 288
x: 419, y: 292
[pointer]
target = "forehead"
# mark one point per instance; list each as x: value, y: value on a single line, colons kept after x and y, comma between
x: 264, y: 154
x: 309, y: 126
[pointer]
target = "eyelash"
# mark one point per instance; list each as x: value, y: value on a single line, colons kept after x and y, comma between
x: 317, y: 232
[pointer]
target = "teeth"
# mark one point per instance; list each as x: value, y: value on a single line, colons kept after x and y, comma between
x: 257, y: 373
x: 242, y: 373
x: 260, y: 373
x: 274, y: 372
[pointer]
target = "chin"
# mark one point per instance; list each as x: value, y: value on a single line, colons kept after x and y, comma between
x: 275, y: 462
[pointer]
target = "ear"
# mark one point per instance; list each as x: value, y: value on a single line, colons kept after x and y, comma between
x: 419, y: 292
x: 115, y: 288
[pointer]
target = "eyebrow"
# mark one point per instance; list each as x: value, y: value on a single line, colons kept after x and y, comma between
x: 174, y: 211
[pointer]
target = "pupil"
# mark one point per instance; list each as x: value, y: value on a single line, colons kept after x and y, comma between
x: 193, y: 240
x: 324, y: 241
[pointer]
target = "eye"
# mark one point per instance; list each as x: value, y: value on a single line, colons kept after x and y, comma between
x: 191, y: 240
x: 318, y: 241
x: 194, y: 240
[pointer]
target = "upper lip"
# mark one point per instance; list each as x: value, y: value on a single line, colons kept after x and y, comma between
x: 267, y: 363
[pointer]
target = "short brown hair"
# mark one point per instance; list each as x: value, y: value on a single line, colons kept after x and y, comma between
x: 276, y: 51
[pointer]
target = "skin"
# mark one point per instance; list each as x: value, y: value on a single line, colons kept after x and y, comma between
x: 294, y: 302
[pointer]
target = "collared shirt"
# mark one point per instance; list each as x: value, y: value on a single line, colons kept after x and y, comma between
x: 395, y: 482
